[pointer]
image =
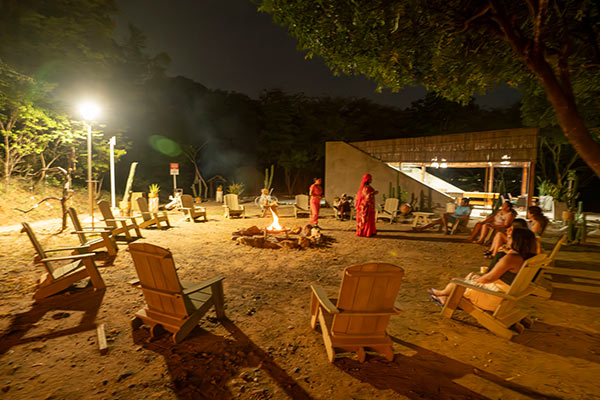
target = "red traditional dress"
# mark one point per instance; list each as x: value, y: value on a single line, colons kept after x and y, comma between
x: 316, y: 192
x: 365, y: 209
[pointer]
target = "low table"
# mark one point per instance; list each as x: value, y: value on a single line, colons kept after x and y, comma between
x: 421, y: 217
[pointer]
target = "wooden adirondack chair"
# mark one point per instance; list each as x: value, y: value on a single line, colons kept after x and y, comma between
x: 232, y: 206
x: 539, y: 283
x: 301, y: 206
x: 582, y: 280
x: 390, y: 210
x: 151, y: 219
x: 363, y: 310
x: 174, y: 305
x: 59, y: 277
x: 507, y: 314
x: 119, y: 225
x: 190, y: 210
x: 460, y: 225
x: 105, y: 240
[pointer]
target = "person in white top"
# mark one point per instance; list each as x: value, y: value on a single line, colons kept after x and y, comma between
x: 499, y: 221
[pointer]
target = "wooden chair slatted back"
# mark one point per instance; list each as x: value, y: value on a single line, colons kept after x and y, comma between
x: 525, y: 275
x: 367, y: 288
x: 302, y: 201
x: 391, y: 205
x: 143, y: 206
x: 160, y: 284
x: 37, y: 246
x: 187, y: 201
x: 107, y: 214
x: 77, y: 225
x: 231, y: 200
x: 557, y: 246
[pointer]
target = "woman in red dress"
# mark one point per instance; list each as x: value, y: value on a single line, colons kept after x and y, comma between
x: 365, y: 208
x: 316, y: 193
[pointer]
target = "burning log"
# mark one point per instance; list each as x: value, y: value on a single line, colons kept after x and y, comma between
x: 276, y: 236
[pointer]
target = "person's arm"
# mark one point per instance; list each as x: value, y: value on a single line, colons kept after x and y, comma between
x: 490, y: 218
x: 500, y: 268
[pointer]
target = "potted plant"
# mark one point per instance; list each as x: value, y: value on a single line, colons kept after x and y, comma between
x: 571, y: 196
x: 153, y: 197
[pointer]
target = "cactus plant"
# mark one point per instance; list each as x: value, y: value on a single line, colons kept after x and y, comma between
x: 269, y: 177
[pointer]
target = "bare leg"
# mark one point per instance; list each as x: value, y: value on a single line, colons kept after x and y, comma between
x: 429, y: 225
x: 499, y: 240
x: 484, y: 231
x: 445, y: 220
x: 476, y: 230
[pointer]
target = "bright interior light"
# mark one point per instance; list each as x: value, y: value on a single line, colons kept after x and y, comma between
x: 89, y: 110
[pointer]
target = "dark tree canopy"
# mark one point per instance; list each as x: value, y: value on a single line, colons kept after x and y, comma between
x: 548, y: 48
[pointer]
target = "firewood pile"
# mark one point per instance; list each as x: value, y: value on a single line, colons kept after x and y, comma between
x: 294, y: 238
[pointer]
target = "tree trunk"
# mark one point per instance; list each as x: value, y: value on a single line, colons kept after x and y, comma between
x: 563, y: 102
x: 7, y: 159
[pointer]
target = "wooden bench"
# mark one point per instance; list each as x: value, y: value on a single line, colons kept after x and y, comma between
x: 482, y: 199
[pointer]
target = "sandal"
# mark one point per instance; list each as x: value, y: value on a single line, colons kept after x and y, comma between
x: 436, y: 300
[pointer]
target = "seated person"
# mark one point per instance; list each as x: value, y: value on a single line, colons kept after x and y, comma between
x: 498, y: 221
x: 342, y: 206
x: 266, y: 204
x: 502, y: 237
x: 522, y: 245
x: 537, y: 220
x: 463, y: 211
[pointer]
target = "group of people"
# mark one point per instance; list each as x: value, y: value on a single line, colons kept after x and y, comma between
x: 514, y: 240
x: 364, y: 204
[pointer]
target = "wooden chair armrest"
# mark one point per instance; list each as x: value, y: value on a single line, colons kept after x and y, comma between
x: 469, y: 285
x: 93, y: 231
x: 202, y: 285
x: 66, y: 248
x: 117, y: 219
x: 321, y: 296
x: 97, y: 228
x: 71, y: 257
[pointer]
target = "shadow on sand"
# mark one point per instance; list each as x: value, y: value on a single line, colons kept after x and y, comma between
x: 562, y: 341
x: 426, y: 375
x: 204, y: 364
x: 420, y: 238
x: 85, y: 300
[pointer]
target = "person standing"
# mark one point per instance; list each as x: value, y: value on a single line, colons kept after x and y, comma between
x: 316, y: 193
x: 365, y: 208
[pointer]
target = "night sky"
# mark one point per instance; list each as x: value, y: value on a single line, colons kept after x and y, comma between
x: 229, y: 45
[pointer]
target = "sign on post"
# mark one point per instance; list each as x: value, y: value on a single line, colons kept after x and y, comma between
x: 174, y: 171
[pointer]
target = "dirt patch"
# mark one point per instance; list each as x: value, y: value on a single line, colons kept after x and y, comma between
x: 267, y: 349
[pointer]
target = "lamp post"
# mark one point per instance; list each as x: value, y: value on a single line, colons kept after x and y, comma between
x: 89, y: 111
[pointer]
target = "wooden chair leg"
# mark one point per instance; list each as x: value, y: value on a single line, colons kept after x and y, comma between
x: 92, y: 270
x: 453, y: 301
x: 136, y: 322
x: 362, y: 356
x: 219, y: 299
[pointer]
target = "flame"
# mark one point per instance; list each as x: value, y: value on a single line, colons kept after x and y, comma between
x: 275, y: 224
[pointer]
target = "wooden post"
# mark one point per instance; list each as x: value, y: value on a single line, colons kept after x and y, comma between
x: 491, y: 180
x: 485, y: 180
x: 531, y: 184
x: 525, y: 180
x: 423, y: 168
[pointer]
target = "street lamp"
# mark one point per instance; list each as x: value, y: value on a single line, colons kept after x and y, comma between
x: 89, y: 111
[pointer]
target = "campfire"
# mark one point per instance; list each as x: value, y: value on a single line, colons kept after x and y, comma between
x: 275, y: 227
x: 277, y: 236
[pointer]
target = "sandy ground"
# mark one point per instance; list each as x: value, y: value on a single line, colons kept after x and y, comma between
x: 267, y: 350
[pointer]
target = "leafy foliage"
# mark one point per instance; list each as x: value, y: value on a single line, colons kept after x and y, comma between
x: 459, y: 48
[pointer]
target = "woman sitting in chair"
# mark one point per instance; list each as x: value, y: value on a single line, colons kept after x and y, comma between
x: 537, y: 220
x: 522, y: 245
x: 498, y: 221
